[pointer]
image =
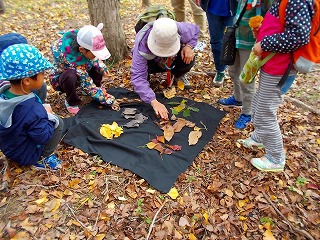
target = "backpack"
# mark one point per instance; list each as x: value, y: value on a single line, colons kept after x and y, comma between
x: 306, y: 56
x: 151, y: 14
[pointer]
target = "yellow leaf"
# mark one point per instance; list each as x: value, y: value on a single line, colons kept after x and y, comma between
x: 318, y: 140
x: 242, y: 203
x: 99, y: 236
x: 173, y: 193
x: 74, y: 183
x: 122, y: 198
x: 273, y: 198
x: 170, y: 92
x: 192, y: 237
x: 111, y: 205
x: 245, y: 227
x: 280, y: 182
x: 242, y: 218
x: 41, y: 200
x: 151, y: 145
x: 267, y: 235
x: 180, y: 85
x: 48, y: 225
x: 206, y: 218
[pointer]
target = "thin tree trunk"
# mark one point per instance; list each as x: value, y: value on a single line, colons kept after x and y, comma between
x: 107, y: 12
x: 2, y: 6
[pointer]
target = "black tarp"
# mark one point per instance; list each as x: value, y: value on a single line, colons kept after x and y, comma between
x: 127, y: 151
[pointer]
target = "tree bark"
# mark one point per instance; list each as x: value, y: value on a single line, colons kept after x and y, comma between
x: 107, y: 12
x: 1, y: 6
x: 146, y: 3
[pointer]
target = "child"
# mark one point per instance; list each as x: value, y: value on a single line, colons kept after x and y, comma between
x: 9, y: 39
x: 243, y: 93
x: 273, y: 37
x: 29, y: 131
x: 75, y: 65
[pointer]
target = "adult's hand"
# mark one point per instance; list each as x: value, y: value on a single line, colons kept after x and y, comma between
x: 257, y: 50
x: 159, y: 109
x: 187, y: 54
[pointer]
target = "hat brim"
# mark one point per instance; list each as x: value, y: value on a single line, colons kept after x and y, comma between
x: 168, y: 51
x: 102, y: 54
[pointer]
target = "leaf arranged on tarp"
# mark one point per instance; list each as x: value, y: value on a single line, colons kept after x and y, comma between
x: 179, y: 124
x: 170, y: 92
x: 111, y: 131
x: 194, y: 137
x: 182, y: 107
x: 159, y: 144
x: 168, y: 132
x: 129, y: 113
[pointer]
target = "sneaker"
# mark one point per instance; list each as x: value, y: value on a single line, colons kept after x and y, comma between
x: 218, y: 79
x: 264, y: 164
x: 39, y: 165
x: 184, y: 80
x: 71, y: 109
x: 52, y: 162
x: 200, y: 46
x: 230, y: 102
x: 242, y: 121
x: 250, y: 142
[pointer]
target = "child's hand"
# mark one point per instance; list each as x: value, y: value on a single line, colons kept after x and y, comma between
x: 48, y: 108
x: 106, y: 73
x: 257, y: 50
x: 115, y: 105
x: 255, y: 31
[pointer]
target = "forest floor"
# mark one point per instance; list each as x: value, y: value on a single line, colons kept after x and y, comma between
x: 221, y: 196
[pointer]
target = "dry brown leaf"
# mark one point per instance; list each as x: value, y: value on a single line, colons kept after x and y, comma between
x: 179, y: 124
x: 194, y: 137
x: 168, y: 132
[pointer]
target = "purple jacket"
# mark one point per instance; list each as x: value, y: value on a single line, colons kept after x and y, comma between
x: 189, y: 34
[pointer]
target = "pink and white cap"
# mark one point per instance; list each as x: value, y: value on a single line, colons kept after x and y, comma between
x: 91, y: 38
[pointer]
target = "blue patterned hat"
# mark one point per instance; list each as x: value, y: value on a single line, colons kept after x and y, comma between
x: 21, y: 61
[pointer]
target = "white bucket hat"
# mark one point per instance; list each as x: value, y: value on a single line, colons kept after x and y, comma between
x: 91, y: 38
x: 164, y: 40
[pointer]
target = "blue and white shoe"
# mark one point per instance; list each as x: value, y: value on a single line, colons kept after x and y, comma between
x: 49, y: 162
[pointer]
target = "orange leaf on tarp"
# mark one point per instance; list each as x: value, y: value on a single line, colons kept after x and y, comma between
x: 179, y: 124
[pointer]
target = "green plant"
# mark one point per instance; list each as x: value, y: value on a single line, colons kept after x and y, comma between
x: 301, y: 181
x: 190, y: 179
x: 265, y: 220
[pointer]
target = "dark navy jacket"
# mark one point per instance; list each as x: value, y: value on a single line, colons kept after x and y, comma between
x: 24, y: 128
x: 233, y: 6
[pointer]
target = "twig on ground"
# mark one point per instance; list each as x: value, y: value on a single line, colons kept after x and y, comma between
x: 311, y: 155
x: 154, y: 219
x: 75, y: 217
x: 95, y: 224
x: 293, y: 229
x: 302, y: 105
x: 205, y: 127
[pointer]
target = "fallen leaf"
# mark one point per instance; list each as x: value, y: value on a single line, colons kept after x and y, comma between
x: 194, y: 137
x: 173, y: 193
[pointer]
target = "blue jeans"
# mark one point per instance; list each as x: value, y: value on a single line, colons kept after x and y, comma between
x: 217, y: 25
x: 287, y: 84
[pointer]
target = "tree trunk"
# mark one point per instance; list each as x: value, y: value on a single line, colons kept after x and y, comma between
x: 1, y: 6
x: 107, y: 12
x: 146, y: 3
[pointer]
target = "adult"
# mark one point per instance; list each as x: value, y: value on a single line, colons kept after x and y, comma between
x: 199, y: 17
x: 220, y: 14
x: 160, y: 46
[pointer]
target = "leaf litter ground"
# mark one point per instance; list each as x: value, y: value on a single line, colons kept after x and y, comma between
x: 221, y: 196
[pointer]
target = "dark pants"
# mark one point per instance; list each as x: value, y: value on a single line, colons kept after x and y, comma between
x: 179, y: 70
x: 52, y: 144
x: 69, y: 81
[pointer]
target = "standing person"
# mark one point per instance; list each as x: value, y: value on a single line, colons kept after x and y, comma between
x: 29, y: 131
x: 274, y: 37
x: 162, y: 46
x: 77, y: 61
x: 9, y: 39
x: 220, y: 14
x: 198, y: 16
x: 243, y: 93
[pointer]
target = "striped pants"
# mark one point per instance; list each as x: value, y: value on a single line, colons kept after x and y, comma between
x: 265, y: 105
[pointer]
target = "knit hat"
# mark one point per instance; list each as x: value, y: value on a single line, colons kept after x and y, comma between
x: 21, y: 61
x: 9, y: 39
x: 164, y: 40
x: 91, y: 38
